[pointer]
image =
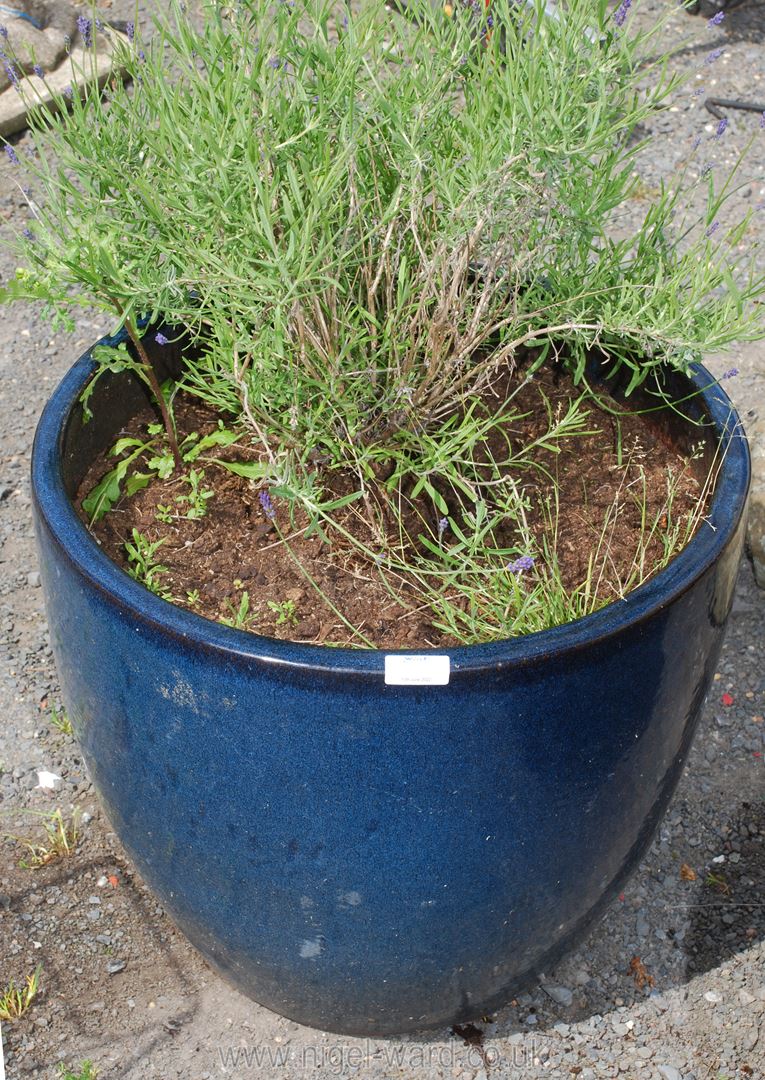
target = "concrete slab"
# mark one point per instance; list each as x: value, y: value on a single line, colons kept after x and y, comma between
x: 79, y: 68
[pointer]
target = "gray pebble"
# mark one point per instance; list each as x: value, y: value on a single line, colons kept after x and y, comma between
x: 751, y: 1038
x: 669, y: 1072
x: 560, y: 994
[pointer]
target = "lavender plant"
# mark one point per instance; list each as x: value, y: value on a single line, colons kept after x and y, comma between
x: 361, y: 228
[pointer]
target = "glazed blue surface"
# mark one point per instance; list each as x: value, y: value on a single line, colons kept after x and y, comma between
x: 369, y: 858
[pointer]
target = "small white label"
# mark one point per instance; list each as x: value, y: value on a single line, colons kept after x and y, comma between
x: 402, y: 670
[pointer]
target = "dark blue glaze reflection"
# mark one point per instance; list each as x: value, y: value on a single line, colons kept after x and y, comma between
x: 363, y: 858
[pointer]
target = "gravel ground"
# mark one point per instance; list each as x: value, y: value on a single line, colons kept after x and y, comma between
x: 120, y: 986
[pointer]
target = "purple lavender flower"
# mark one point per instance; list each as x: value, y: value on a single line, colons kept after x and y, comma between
x: 85, y: 28
x: 731, y: 374
x: 716, y: 19
x: 67, y: 43
x: 12, y: 155
x: 275, y: 63
x: 267, y: 505
x: 712, y: 228
x: 713, y: 56
x: 68, y: 93
x: 524, y: 562
x: 130, y: 30
x: 3, y: 32
x: 160, y: 338
x: 696, y: 143
x: 443, y: 525
x: 620, y: 15
x: 721, y: 128
x: 10, y: 71
x: 698, y: 91
x: 38, y: 71
x: 762, y: 120
x: 706, y: 169
x: 30, y: 236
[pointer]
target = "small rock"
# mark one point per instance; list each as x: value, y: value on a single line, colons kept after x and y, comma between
x: 33, y: 579
x: 561, y: 994
x: 713, y: 996
x: 115, y: 966
x: 750, y: 1039
x: 669, y: 1072
x: 531, y: 1019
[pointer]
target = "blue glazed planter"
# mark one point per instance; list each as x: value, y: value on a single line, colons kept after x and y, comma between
x: 367, y: 858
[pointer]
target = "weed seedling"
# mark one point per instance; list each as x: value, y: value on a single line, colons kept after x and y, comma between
x: 144, y: 568
x: 16, y: 1000
x: 241, y: 616
x: 285, y: 612
x: 718, y: 883
x: 197, y: 497
x: 164, y: 513
x: 61, y: 721
x: 59, y: 841
x: 87, y: 1071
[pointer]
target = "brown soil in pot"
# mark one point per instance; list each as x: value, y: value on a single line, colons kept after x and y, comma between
x: 234, y: 548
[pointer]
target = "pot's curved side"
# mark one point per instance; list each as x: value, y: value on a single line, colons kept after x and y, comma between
x: 373, y: 859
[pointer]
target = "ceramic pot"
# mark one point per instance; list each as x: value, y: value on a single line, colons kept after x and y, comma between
x: 366, y: 857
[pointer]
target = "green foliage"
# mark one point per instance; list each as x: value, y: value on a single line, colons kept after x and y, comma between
x: 240, y: 616
x: 196, y: 498
x: 284, y: 611
x: 15, y: 1000
x: 143, y: 566
x: 120, y: 481
x: 59, y: 840
x: 61, y: 721
x: 86, y: 1071
x: 361, y: 226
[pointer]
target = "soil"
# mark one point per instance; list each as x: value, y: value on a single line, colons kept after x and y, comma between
x: 609, y: 482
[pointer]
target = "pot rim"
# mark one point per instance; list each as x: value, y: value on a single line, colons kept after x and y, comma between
x: 55, y: 508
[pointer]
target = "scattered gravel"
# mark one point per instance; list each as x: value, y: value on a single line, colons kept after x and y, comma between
x: 119, y: 985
